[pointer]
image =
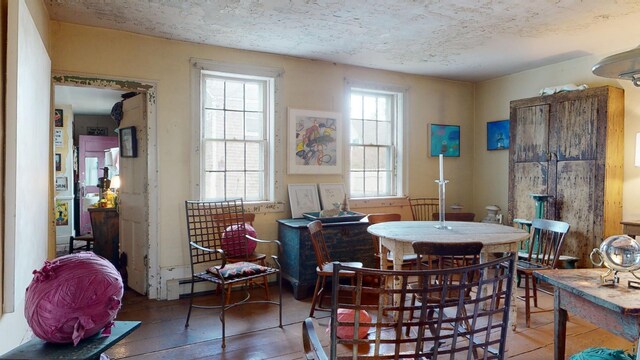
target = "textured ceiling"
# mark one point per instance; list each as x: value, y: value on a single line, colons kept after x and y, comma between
x: 468, y: 40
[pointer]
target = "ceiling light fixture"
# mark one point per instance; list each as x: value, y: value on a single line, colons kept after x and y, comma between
x: 624, y: 66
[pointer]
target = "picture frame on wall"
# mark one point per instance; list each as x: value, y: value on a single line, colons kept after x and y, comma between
x: 128, y: 142
x: 58, y: 158
x: 444, y: 139
x: 498, y: 135
x: 303, y: 198
x: 58, y: 119
x: 62, y: 183
x: 315, y: 142
x: 331, y: 194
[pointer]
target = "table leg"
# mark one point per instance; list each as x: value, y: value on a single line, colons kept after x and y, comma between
x: 559, y: 327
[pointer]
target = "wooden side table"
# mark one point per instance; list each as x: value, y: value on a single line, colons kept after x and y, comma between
x: 87, y: 349
x: 631, y: 228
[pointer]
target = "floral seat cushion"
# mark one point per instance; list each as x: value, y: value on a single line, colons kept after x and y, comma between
x: 239, y: 269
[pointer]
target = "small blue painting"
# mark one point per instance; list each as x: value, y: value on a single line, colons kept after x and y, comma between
x: 498, y: 135
x: 445, y: 140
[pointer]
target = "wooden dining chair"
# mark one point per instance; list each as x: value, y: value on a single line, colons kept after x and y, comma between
x: 378, y: 333
x: 546, y: 239
x: 423, y: 208
x: 408, y: 261
x: 446, y: 255
x: 325, y: 265
x: 209, y: 223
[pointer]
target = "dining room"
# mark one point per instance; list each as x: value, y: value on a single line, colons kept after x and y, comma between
x: 486, y: 148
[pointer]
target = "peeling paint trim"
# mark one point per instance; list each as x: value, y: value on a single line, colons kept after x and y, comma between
x: 154, y: 282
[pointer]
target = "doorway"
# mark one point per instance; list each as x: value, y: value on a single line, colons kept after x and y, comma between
x: 148, y: 284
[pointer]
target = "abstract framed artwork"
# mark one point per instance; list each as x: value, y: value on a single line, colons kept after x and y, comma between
x: 315, y: 142
x: 303, y: 198
x: 444, y: 139
x: 498, y: 135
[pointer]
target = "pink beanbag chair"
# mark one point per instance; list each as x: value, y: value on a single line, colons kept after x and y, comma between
x: 235, y: 244
x: 73, y: 297
x: 348, y: 315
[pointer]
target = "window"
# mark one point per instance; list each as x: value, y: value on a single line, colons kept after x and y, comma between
x: 375, y: 138
x: 236, y: 112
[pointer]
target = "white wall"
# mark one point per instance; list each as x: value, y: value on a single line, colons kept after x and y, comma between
x: 491, y: 168
x: 28, y: 165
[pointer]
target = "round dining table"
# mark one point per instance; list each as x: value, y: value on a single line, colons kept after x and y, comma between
x: 398, y: 237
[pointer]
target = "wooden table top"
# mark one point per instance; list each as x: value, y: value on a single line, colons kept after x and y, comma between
x: 410, y: 231
x: 586, y: 283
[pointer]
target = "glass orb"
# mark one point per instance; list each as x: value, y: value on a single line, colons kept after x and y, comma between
x: 621, y: 253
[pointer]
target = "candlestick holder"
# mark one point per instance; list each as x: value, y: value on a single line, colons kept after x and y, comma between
x: 441, y: 205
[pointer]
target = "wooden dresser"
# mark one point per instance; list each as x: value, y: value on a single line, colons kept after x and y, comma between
x: 106, y: 233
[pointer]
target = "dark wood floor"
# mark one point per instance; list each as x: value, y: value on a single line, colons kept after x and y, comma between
x: 252, y: 332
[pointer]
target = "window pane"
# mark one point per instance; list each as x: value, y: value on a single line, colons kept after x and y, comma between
x: 384, y: 158
x: 357, y: 157
x: 370, y: 133
x: 370, y: 107
x: 357, y: 184
x: 235, y: 185
x: 214, y: 93
x: 214, y: 156
x: 254, y: 126
x: 214, y: 185
x: 356, y: 131
x: 384, y: 183
x: 235, y: 156
x: 384, y: 133
x: 234, y: 95
x: 214, y: 124
x: 383, y: 108
x: 370, y: 184
x: 90, y: 171
x: 234, y: 125
x: 371, y: 158
x: 254, y: 186
x: 356, y: 106
x: 255, y: 156
x: 253, y: 97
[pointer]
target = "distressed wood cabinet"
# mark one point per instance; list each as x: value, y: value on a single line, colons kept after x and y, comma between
x: 570, y: 145
x: 347, y: 241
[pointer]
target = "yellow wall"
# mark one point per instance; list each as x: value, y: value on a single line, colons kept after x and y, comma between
x: 491, y: 169
x: 307, y: 84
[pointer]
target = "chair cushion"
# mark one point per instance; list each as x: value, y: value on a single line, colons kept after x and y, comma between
x: 239, y: 269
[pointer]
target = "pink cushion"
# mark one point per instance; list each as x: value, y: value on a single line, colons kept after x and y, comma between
x: 239, y: 269
x: 348, y: 315
x: 234, y: 242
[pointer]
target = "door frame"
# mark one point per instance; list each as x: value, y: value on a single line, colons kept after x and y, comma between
x: 149, y: 88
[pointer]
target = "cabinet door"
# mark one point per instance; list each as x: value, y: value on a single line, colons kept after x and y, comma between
x: 574, y: 202
x: 575, y: 130
x: 532, y: 133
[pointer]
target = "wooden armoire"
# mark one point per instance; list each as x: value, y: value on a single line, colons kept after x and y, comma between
x: 570, y: 146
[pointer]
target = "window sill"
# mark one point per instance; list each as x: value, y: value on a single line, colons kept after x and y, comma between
x: 263, y: 206
x: 378, y: 202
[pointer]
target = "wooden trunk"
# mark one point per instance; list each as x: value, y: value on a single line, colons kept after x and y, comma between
x: 570, y: 146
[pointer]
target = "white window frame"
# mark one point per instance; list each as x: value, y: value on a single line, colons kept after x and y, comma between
x: 400, y: 133
x: 274, y: 194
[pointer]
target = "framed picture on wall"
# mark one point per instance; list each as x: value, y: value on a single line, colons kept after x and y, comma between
x: 58, y: 120
x: 58, y: 158
x: 444, y: 139
x: 498, y: 135
x: 315, y: 142
x: 128, y: 142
